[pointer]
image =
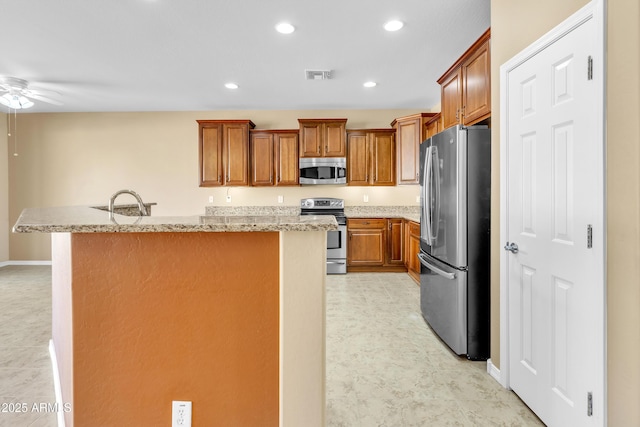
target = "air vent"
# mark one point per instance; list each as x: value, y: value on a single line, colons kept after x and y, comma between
x: 318, y: 74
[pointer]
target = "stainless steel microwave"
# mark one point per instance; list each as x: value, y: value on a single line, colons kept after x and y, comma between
x: 323, y: 170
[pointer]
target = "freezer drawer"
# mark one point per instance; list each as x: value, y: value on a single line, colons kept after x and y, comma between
x: 443, y: 301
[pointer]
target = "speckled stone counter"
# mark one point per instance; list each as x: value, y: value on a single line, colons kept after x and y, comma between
x: 411, y: 213
x: 83, y: 219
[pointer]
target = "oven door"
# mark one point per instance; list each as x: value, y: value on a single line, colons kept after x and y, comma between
x: 337, y: 250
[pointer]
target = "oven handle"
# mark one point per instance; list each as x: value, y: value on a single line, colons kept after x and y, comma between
x: 336, y: 262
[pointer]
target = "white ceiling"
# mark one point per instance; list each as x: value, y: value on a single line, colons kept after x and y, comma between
x: 176, y: 55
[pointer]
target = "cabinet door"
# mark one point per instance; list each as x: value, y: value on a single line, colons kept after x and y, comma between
x: 383, y: 164
x: 310, y: 140
x: 262, y: 154
x: 395, y: 242
x: 476, y: 86
x: 366, y: 246
x: 451, y: 91
x: 210, y: 150
x: 413, y: 249
x: 409, y: 137
x: 236, y: 153
x: 287, y: 164
x: 334, y: 140
x: 358, y: 159
x: 432, y: 127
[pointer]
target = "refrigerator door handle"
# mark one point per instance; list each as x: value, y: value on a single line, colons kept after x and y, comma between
x: 426, y: 263
x: 427, y: 196
x: 435, y: 226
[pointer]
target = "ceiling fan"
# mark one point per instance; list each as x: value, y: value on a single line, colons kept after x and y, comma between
x: 15, y: 93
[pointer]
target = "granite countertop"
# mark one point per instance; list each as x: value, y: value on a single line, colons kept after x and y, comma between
x: 86, y: 219
x: 411, y: 213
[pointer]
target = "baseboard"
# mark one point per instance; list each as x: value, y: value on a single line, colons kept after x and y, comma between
x: 494, y: 372
x: 8, y: 263
x: 56, y: 384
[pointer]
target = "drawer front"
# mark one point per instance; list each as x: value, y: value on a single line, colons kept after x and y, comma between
x: 366, y: 223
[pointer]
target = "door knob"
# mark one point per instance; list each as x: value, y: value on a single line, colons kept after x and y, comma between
x: 511, y: 247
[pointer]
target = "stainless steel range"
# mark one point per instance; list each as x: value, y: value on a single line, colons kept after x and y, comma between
x: 336, y: 240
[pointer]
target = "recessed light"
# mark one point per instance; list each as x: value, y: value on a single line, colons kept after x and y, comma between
x: 369, y: 84
x: 231, y: 86
x: 394, y: 25
x: 285, y: 28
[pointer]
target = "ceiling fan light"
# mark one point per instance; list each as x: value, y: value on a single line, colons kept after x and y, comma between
x: 5, y: 100
x: 25, y: 102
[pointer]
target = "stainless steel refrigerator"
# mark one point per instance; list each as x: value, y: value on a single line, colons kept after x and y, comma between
x: 455, y: 198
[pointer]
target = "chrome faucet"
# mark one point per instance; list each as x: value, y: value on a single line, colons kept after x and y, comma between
x: 141, y: 206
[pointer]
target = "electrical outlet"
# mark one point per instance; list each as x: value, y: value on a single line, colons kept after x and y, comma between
x: 280, y: 199
x: 366, y: 198
x: 210, y: 199
x: 417, y: 199
x: 181, y: 413
x: 228, y: 199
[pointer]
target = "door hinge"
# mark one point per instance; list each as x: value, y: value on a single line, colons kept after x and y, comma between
x: 590, y: 68
x: 589, y: 236
x: 589, y: 404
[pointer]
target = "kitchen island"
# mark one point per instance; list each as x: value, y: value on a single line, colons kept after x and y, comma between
x: 224, y: 311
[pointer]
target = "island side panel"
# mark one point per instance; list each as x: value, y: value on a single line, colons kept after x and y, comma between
x: 61, y: 326
x: 175, y: 316
x: 302, y: 328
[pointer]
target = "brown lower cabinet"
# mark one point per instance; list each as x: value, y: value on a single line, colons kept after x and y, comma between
x: 375, y: 244
x: 412, y: 239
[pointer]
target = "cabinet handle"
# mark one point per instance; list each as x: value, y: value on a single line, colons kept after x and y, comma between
x: 219, y: 178
x: 417, y: 176
x: 278, y: 178
x: 457, y: 111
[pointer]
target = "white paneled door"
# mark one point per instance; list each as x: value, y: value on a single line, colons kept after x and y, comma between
x: 554, y: 228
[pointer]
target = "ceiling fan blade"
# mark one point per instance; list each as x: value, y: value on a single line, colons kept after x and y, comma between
x: 43, y: 99
x: 39, y: 91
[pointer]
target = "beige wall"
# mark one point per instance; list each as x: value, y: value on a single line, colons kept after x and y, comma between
x: 514, y: 25
x: 4, y: 190
x: 83, y: 158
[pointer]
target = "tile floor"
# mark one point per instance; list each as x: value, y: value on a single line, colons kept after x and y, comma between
x: 384, y: 365
x: 25, y: 331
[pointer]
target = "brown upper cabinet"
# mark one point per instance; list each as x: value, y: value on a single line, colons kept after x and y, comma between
x: 466, y: 86
x: 323, y: 137
x: 223, y: 147
x: 410, y: 132
x: 274, y: 157
x: 433, y: 126
x: 371, y: 157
